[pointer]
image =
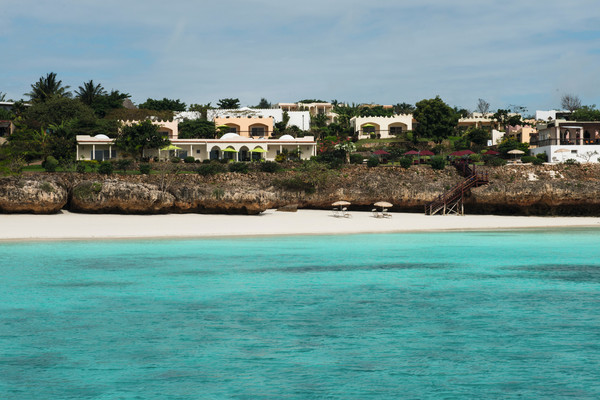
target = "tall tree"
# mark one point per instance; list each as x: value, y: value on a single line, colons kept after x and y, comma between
x: 89, y: 92
x: 164, y: 105
x: 228, y: 103
x: 2, y: 96
x: 134, y: 139
x: 570, y: 102
x: 404, y: 108
x: 482, y: 106
x: 48, y: 87
x: 263, y: 103
x: 436, y: 119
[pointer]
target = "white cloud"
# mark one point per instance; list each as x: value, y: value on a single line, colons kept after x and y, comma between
x: 381, y: 51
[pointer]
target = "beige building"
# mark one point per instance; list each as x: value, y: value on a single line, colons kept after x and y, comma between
x: 381, y: 127
x: 247, y: 126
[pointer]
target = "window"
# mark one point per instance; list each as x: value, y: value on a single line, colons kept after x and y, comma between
x: 395, y: 130
x: 258, y: 131
x: 232, y: 129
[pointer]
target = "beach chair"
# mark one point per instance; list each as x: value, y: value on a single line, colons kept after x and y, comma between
x: 337, y: 212
x: 345, y: 213
x: 386, y: 214
x: 376, y: 213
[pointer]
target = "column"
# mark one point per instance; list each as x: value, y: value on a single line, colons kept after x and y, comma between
x: 93, y: 152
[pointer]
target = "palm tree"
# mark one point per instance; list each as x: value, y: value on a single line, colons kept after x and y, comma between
x: 48, y: 87
x: 89, y: 92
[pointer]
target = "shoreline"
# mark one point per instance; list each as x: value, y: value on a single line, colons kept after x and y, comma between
x: 73, y: 226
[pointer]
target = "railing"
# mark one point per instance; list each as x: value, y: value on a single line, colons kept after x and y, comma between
x: 563, y: 142
x: 453, y: 197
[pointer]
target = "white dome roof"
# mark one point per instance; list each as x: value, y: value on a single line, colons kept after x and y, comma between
x: 287, y: 137
x: 230, y: 136
x: 101, y: 137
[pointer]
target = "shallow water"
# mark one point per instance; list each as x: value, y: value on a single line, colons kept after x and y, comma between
x: 427, y: 315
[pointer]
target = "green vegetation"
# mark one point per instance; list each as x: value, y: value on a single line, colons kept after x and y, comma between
x: 86, y: 190
x: 134, y: 139
x: 106, y: 168
x: 240, y: 167
x: 270, y: 166
x: 164, y: 105
x: 436, y: 119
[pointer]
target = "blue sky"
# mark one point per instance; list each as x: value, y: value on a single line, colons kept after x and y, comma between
x: 526, y: 53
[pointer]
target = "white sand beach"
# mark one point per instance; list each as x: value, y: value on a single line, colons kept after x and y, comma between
x: 68, y: 226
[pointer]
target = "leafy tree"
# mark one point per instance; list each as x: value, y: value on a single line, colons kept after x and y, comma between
x: 514, y: 120
x: 228, y: 103
x: 89, y: 92
x: 509, y: 144
x: 377, y: 111
x: 461, y: 112
x: 104, y: 104
x: 163, y: 105
x: 264, y: 103
x: 281, y: 126
x: 501, y: 116
x: 2, y: 96
x: 201, y: 108
x: 56, y: 110
x: 586, y: 113
x: 6, y: 115
x: 570, y: 102
x: 436, y: 119
x: 312, y: 101
x: 478, y: 136
x: 483, y: 106
x: 134, y: 139
x: 46, y: 88
x: 404, y: 108
x: 197, y: 129
x: 138, y: 114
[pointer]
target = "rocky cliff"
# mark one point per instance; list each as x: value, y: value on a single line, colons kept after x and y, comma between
x: 525, y: 189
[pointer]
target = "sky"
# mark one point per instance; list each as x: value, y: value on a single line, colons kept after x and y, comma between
x: 510, y: 53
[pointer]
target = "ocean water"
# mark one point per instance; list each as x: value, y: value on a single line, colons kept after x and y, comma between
x: 492, y: 315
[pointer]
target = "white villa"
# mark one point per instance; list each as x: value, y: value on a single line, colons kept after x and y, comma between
x: 563, y: 140
x: 230, y: 146
x: 382, y: 127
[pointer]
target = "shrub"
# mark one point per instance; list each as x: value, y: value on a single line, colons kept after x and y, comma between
x: 106, y: 168
x: 438, y: 162
x: 531, y: 159
x: 542, y: 156
x: 211, y: 169
x: 494, y: 161
x: 406, y: 162
x: 145, y: 168
x: 280, y: 158
x: 571, y: 161
x: 270, y: 166
x: 124, y: 164
x: 175, y: 160
x: 205, y: 161
x: 356, y: 158
x: 80, y: 167
x: 372, y: 162
x: 50, y: 164
x: 189, y: 160
x: 475, y: 157
x: 240, y: 167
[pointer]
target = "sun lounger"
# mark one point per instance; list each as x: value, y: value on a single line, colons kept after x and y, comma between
x: 386, y: 214
x: 376, y: 213
x: 345, y: 212
x: 337, y: 212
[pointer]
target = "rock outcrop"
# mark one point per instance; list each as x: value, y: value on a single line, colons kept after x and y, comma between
x: 38, y: 196
x: 118, y: 196
x: 516, y: 190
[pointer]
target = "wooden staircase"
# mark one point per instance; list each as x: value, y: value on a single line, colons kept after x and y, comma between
x: 451, y: 202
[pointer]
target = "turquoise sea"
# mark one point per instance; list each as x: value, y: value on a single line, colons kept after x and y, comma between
x: 485, y: 315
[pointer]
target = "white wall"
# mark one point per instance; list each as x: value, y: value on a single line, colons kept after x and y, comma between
x: 301, y: 119
x: 580, y: 153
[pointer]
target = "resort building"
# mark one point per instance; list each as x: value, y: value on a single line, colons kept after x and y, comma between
x: 381, y: 127
x: 299, y: 119
x: 551, y: 115
x: 231, y: 146
x: 316, y: 108
x: 246, y: 126
x: 520, y: 133
x: 478, y: 120
x: 562, y: 140
x: 166, y: 127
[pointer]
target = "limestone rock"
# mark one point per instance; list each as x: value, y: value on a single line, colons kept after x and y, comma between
x: 113, y: 195
x: 31, y: 196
